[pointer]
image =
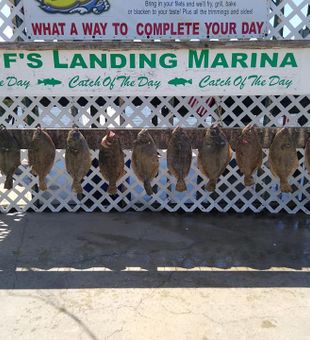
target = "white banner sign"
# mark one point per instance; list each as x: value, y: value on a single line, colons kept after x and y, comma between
x: 138, y: 19
x: 182, y: 72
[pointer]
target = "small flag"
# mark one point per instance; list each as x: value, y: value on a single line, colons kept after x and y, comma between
x: 201, y: 109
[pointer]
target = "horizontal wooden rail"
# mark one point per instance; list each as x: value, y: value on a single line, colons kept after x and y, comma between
x: 161, y: 136
x: 152, y: 45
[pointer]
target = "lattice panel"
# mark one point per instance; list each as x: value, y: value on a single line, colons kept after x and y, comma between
x: 148, y: 112
x: 231, y: 195
x: 288, y: 19
x: 139, y: 112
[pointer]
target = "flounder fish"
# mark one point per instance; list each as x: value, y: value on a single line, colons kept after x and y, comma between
x: 41, y: 155
x: 145, y: 162
x: 179, y: 157
x: 249, y: 153
x: 111, y: 160
x: 283, y: 160
x: 9, y: 156
x: 214, y: 155
x: 307, y: 155
x: 78, y: 158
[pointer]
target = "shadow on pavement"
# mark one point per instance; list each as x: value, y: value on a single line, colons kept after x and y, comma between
x: 137, y: 250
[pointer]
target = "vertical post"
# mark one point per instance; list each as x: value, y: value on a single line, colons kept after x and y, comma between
x: 277, y: 19
x: 16, y: 23
x: 304, y: 32
x: 267, y: 100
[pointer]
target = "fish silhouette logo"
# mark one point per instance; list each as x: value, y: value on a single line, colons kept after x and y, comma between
x: 74, y: 6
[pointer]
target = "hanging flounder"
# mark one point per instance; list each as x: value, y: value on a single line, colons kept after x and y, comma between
x: 249, y: 153
x: 78, y: 158
x: 41, y: 155
x: 283, y: 160
x: 179, y: 157
x: 307, y: 155
x: 214, y: 155
x: 111, y: 160
x: 145, y: 160
x: 9, y: 156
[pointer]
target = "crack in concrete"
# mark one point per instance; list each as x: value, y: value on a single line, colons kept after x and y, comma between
x: 188, y: 312
x: 257, y: 317
x: 60, y: 309
x: 135, y: 309
x: 117, y: 331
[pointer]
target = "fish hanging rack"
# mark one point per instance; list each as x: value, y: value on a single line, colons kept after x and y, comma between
x: 161, y: 136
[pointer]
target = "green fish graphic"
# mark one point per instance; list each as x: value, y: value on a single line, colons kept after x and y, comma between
x: 180, y: 81
x: 49, y: 81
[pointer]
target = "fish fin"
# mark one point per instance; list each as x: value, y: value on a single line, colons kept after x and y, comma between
x: 148, y: 188
x: 8, y: 183
x: 285, y: 187
x: 181, y: 185
x: 211, y: 186
x: 190, y: 81
x: 248, y: 181
x: 42, y: 184
x: 112, y: 190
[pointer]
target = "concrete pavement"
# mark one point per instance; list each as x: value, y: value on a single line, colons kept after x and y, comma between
x: 154, y: 276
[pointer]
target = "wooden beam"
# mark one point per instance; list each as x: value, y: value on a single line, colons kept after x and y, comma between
x: 161, y: 136
x: 151, y: 45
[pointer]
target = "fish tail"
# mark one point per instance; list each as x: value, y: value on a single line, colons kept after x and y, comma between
x: 148, y: 188
x: 42, y: 184
x: 112, y: 190
x: 77, y: 187
x: 181, y: 185
x: 211, y: 186
x: 80, y: 196
x: 248, y: 181
x: 190, y: 81
x: 285, y: 187
x: 8, y: 184
x: 40, y: 81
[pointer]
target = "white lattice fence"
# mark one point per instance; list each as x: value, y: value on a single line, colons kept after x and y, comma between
x: 115, y: 112
x: 288, y: 20
x: 231, y: 194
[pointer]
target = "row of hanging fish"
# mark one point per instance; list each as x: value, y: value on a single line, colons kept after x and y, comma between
x: 214, y: 155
